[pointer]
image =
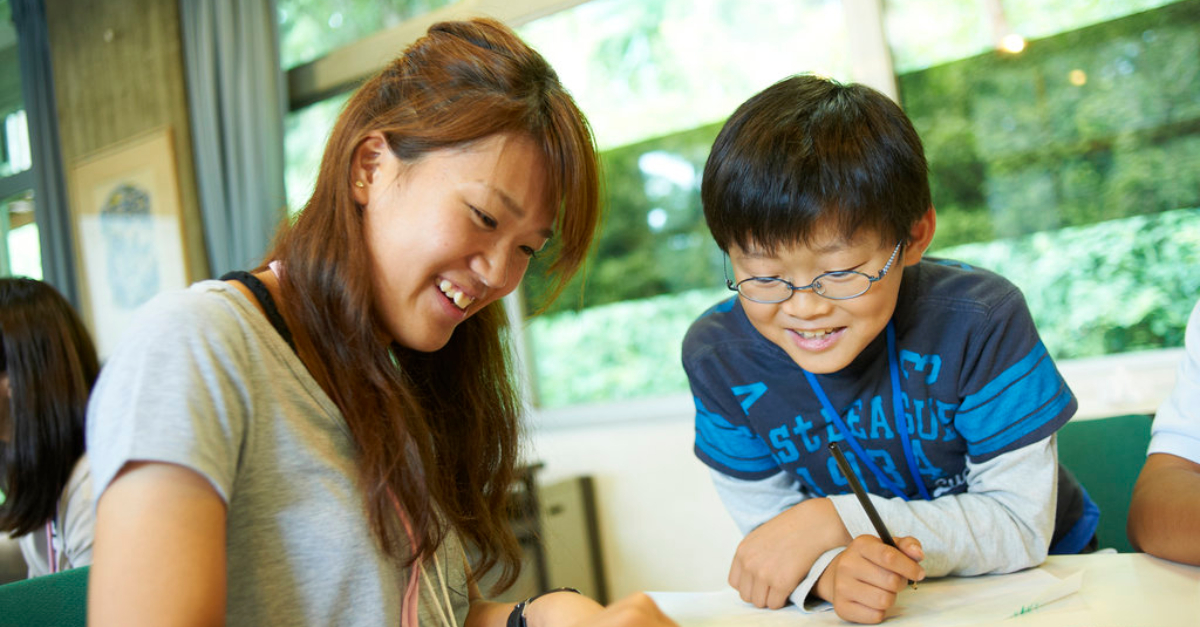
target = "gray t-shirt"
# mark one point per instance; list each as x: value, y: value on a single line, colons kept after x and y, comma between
x: 205, y: 382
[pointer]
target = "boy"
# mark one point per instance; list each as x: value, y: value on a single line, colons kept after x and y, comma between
x: 929, y: 375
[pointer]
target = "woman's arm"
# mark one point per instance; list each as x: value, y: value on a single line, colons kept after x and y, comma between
x: 1164, y: 514
x: 159, y: 555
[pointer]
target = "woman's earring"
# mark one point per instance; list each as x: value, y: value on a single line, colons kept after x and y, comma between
x: 359, y: 184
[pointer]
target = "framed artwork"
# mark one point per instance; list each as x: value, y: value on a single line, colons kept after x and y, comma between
x: 128, y: 231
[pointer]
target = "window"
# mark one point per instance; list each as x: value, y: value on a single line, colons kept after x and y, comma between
x: 305, y: 132
x: 1071, y: 167
x: 309, y: 29
x: 20, y: 250
x: 656, y: 79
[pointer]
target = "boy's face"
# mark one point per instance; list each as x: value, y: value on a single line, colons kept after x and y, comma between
x: 819, y: 334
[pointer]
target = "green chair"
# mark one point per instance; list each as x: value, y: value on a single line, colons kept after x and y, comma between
x: 1106, y: 455
x: 58, y: 600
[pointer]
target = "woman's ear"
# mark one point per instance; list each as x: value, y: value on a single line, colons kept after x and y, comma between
x: 364, y: 170
x: 920, y: 237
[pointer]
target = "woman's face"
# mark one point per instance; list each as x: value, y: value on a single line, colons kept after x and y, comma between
x: 451, y: 232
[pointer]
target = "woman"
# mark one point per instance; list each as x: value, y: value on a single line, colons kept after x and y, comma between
x: 47, y: 367
x: 314, y: 443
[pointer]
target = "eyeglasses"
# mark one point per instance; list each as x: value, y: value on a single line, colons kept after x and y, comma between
x: 840, y: 285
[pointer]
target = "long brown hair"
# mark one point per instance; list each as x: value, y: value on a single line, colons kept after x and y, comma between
x: 51, y: 366
x: 436, y: 430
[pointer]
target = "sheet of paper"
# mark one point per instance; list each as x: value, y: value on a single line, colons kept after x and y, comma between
x: 936, y: 603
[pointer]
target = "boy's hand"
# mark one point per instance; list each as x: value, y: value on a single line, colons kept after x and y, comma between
x: 862, y: 581
x: 774, y: 558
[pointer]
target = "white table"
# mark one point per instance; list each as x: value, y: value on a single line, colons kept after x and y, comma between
x: 1117, y: 590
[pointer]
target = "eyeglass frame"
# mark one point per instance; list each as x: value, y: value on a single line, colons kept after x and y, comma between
x: 729, y: 284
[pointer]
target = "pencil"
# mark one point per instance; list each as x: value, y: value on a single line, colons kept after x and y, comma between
x: 863, y: 500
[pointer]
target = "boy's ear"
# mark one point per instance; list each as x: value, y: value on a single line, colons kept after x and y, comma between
x: 365, y: 165
x: 920, y: 237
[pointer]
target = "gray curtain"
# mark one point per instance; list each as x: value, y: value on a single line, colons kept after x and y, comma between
x: 237, y: 98
x: 51, y: 206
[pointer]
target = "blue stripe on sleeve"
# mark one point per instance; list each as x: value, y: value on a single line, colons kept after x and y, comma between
x: 736, y: 448
x: 1022, y: 399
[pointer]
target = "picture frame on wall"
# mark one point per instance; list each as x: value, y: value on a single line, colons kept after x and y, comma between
x: 128, y: 231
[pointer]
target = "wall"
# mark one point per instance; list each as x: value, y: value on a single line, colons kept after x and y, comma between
x: 662, y: 526
x: 118, y: 72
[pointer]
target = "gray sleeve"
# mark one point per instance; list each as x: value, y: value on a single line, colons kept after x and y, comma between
x: 752, y: 502
x: 1002, y: 523
x: 173, y: 391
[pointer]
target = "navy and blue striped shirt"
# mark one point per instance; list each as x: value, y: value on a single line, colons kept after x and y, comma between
x: 975, y: 377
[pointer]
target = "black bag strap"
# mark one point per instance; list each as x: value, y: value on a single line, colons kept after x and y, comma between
x: 260, y: 292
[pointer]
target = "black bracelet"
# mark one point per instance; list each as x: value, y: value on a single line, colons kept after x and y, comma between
x: 517, y: 617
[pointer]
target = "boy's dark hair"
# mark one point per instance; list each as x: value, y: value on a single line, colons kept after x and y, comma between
x: 807, y: 149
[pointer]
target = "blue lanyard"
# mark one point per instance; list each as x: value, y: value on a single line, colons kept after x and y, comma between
x: 900, y: 421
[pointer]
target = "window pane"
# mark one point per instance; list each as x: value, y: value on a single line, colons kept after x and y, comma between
x: 647, y: 68
x: 1073, y: 168
x: 309, y: 29
x: 21, y: 247
x: 924, y: 33
x: 14, y: 137
x: 15, y: 156
x: 657, y: 80
x: 305, y: 133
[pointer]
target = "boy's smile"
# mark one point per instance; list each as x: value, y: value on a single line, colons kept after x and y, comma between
x: 822, y: 335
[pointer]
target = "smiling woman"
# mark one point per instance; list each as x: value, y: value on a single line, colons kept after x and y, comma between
x: 343, y: 418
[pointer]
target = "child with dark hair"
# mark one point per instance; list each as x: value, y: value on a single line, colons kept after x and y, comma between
x: 928, y: 373
x: 47, y: 367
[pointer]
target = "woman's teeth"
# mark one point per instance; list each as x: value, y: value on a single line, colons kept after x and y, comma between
x: 462, y: 301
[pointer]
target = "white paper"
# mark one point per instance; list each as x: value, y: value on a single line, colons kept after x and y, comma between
x: 936, y: 603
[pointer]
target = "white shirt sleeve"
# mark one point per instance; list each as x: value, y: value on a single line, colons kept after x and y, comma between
x: 1176, y: 426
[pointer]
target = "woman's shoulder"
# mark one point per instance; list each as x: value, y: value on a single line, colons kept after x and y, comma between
x: 207, y: 312
x: 204, y: 300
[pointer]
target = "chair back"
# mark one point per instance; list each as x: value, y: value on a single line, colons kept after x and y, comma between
x: 1106, y: 456
x: 58, y: 600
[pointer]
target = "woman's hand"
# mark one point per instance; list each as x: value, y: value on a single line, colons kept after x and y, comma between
x: 862, y: 582
x: 772, y: 560
x: 567, y: 609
